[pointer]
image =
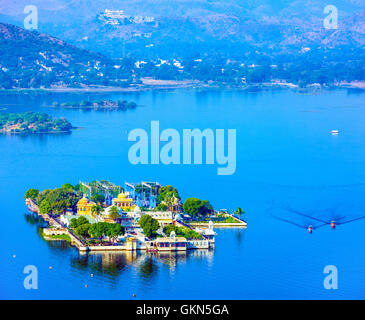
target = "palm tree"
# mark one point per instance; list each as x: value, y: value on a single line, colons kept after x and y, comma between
x: 239, y: 212
x: 113, y: 213
x: 95, y: 210
x: 169, y: 200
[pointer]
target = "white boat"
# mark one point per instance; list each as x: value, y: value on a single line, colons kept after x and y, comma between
x: 334, y: 131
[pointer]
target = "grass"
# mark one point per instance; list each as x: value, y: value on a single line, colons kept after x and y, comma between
x: 64, y: 237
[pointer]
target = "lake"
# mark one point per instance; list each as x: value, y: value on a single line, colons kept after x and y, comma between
x: 287, y: 159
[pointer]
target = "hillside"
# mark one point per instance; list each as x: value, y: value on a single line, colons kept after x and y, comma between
x: 32, y: 59
x: 159, y: 28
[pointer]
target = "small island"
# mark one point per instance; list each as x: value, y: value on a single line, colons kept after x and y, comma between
x: 31, y: 123
x: 103, y: 105
x: 102, y: 216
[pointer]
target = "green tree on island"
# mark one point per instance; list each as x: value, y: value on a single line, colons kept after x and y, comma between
x: 239, y: 212
x: 31, y: 194
x: 102, y: 229
x: 68, y: 186
x: 165, y: 192
x: 161, y: 207
x: 114, y: 213
x: 45, y: 207
x: 149, y: 225
x: 182, y: 232
x: 59, y: 199
x: 95, y: 210
x: 83, y: 230
x: 114, y: 230
x: 76, y: 222
x: 98, y: 198
x: 169, y: 199
x: 197, y: 208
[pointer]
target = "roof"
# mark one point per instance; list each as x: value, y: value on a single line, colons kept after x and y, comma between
x: 168, y: 239
x: 85, y: 202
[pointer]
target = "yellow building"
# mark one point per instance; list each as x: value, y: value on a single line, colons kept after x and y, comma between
x: 123, y: 202
x: 84, y: 206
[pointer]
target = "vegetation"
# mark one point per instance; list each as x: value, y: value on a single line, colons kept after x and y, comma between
x: 239, y: 212
x: 30, y: 122
x: 149, y: 225
x: 98, y: 198
x: 98, y: 105
x: 81, y: 226
x: 113, y: 213
x: 182, y: 232
x: 31, y: 194
x: 95, y: 210
x: 165, y: 192
x: 57, y: 201
x: 161, y: 207
x: 68, y: 186
x: 65, y: 237
x: 197, y: 208
x: 39, y: 60
x: 104, y: 229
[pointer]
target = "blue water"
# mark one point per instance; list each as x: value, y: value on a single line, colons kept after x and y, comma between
x: 286, y: 157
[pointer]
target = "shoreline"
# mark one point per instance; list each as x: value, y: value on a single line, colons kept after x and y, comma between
x: 187, y: 85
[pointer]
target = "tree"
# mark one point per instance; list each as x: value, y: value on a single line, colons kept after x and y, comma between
x: 149, y: 225
x: 98, y: 198
x: 60, y: 199
x: 95, y: 210
x: 60, y: 206
x: 196, y: 207
x: 114, y: 230
x: 169, y: 199
x: 164, y: 192
x: 76, y: 222
x: 83, y: 230
x: 32, y: 194
x: 239, y: 212
x: 113, y: 213
x: 162, y: 207
x: 67, y: 186
x: 191, y: 234
x: 168, y: 229
x: 45, y: 207
x: 98, y: 230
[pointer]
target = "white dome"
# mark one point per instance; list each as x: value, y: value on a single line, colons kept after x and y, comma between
x: 137, y: 209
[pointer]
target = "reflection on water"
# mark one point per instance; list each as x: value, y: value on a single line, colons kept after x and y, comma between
x: 111, y: 265
x: 240, y: 236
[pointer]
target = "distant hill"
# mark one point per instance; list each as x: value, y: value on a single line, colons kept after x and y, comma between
x: 229, y: 26
x: 33, y: 59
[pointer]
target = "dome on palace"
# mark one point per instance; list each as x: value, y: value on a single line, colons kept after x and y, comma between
x: 83, y: 201
x: 122, y: 196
